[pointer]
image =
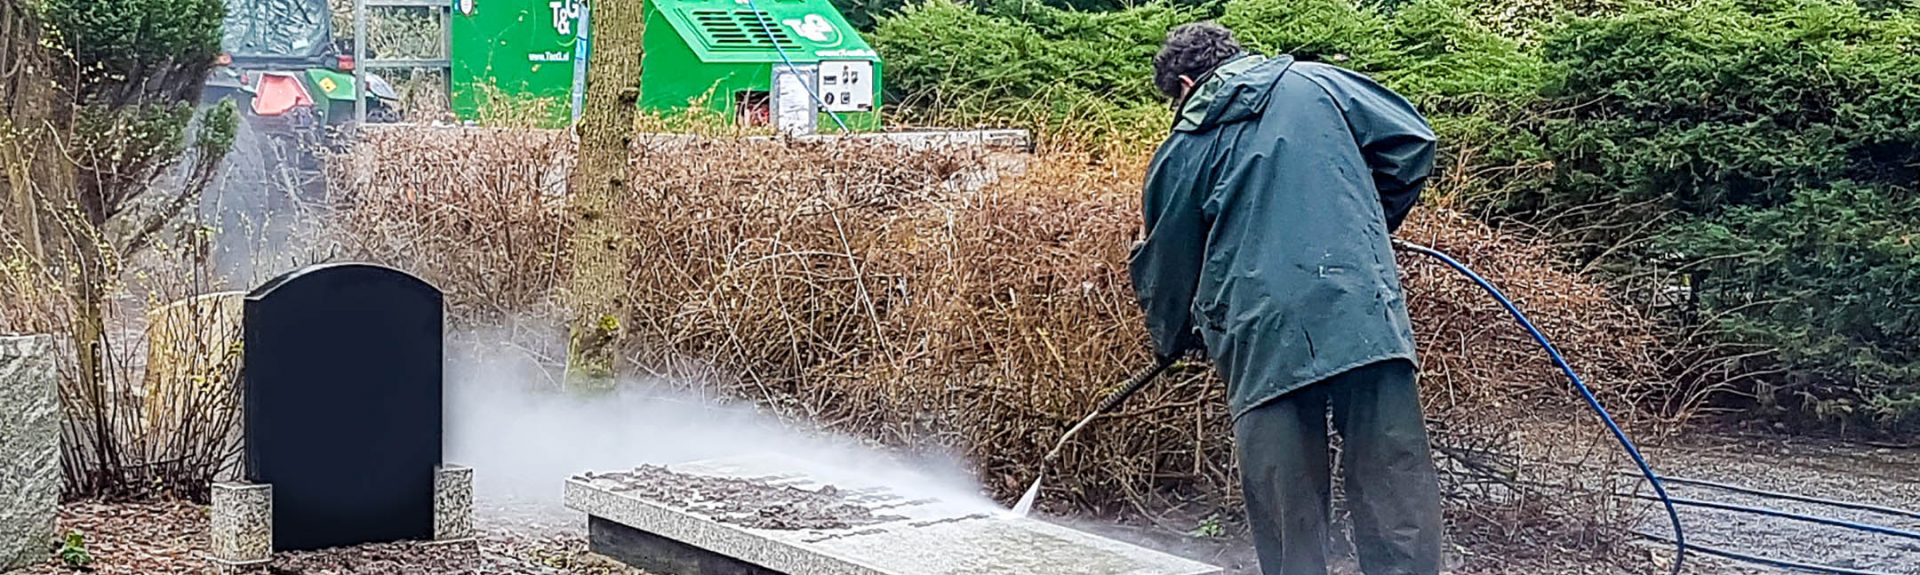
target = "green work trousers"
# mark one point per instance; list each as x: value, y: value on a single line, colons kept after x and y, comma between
x: 1392, y: 491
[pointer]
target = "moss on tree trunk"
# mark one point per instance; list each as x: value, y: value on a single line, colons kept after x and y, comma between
x: 599, y: 179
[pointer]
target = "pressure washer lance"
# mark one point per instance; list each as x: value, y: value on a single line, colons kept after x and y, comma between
x: 1140, y: 380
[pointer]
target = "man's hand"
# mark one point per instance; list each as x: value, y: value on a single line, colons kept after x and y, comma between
x: 1196, y: 343
x: 1193, y: 347
x: 1190, y: 345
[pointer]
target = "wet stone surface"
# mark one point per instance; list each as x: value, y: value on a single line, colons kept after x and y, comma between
x: 907, y: 525
x: 758, y: 503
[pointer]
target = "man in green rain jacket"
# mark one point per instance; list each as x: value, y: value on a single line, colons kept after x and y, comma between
x: 1267, y: 215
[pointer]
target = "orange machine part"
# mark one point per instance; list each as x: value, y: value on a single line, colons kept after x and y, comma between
x: 278, y: 93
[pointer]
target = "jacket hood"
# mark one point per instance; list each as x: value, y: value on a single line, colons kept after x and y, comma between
x: 1235, y: 91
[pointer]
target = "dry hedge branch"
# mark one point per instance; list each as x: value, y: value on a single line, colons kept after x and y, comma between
x: 910, y: 297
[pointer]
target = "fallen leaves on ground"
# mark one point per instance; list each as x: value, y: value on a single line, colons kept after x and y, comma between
x: 170, y: 538
x: 132, y: 538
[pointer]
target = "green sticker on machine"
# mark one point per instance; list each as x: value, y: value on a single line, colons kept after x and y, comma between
x: 333, y: 85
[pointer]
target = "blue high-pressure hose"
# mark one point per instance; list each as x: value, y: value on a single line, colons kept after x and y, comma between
x: 1679, y: 534
x: 774, y: 39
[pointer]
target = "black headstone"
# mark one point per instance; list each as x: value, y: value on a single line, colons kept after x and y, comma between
x: 343, y: 404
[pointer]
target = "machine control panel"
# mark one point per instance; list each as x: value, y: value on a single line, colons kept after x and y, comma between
x: 846, y: 85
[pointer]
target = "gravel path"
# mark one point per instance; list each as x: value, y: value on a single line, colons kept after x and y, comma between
x: 1879, y: 476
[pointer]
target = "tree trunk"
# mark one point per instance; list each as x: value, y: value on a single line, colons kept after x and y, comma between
x: 23, y: 210
x: 601, y: 253
x: 98, y: 398
x: 35, y: 115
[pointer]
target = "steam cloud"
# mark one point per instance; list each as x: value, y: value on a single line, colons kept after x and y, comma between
x: 524, y: 439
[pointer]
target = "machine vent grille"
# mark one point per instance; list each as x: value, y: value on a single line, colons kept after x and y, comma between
x: 740, y: 30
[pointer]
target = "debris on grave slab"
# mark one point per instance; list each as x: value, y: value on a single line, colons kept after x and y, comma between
x: 749, y: 502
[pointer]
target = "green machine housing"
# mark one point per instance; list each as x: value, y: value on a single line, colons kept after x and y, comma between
x: 710, y: 56
x: 721, y: 55
x: 515, y: 58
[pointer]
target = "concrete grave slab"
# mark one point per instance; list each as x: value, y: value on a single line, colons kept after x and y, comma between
x: 892, y: 534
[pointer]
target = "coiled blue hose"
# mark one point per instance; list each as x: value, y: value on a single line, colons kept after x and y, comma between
x: 1679, y: 534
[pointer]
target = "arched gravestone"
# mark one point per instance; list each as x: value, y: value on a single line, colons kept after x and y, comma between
x: 343, y: 404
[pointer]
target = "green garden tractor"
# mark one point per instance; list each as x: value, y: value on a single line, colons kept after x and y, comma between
x: 293, y: 83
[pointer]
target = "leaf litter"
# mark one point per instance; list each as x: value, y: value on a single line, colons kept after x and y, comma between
x: 748, y: 502
x: 171, y: 538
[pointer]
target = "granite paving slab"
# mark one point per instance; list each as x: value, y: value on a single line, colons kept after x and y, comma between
x: 888, y: 534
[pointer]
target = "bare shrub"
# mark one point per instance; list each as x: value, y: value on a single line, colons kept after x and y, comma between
x: 911, y: 297
x: 103, y: 149
x: 476, y: 212
x: 162, y: 416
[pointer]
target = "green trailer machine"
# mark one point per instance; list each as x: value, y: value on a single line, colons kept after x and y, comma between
x: 792, y: 64
x: 515, y: 59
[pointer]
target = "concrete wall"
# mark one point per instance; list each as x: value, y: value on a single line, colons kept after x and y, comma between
x: 29, y: 449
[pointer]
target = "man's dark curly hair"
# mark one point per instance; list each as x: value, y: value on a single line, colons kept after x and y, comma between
x: 1192, y: 50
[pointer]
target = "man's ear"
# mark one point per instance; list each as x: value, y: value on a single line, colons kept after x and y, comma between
x: 1186, y: 91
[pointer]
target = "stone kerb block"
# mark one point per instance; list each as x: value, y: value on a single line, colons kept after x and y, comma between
x: 29, y: 449
x: 452, y: 503
x: 193, y: 355
x: 242, y: 533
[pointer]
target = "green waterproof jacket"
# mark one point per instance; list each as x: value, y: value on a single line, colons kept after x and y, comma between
x: 1267, y: 214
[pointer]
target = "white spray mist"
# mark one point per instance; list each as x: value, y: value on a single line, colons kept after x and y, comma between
x: 524, y: 439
